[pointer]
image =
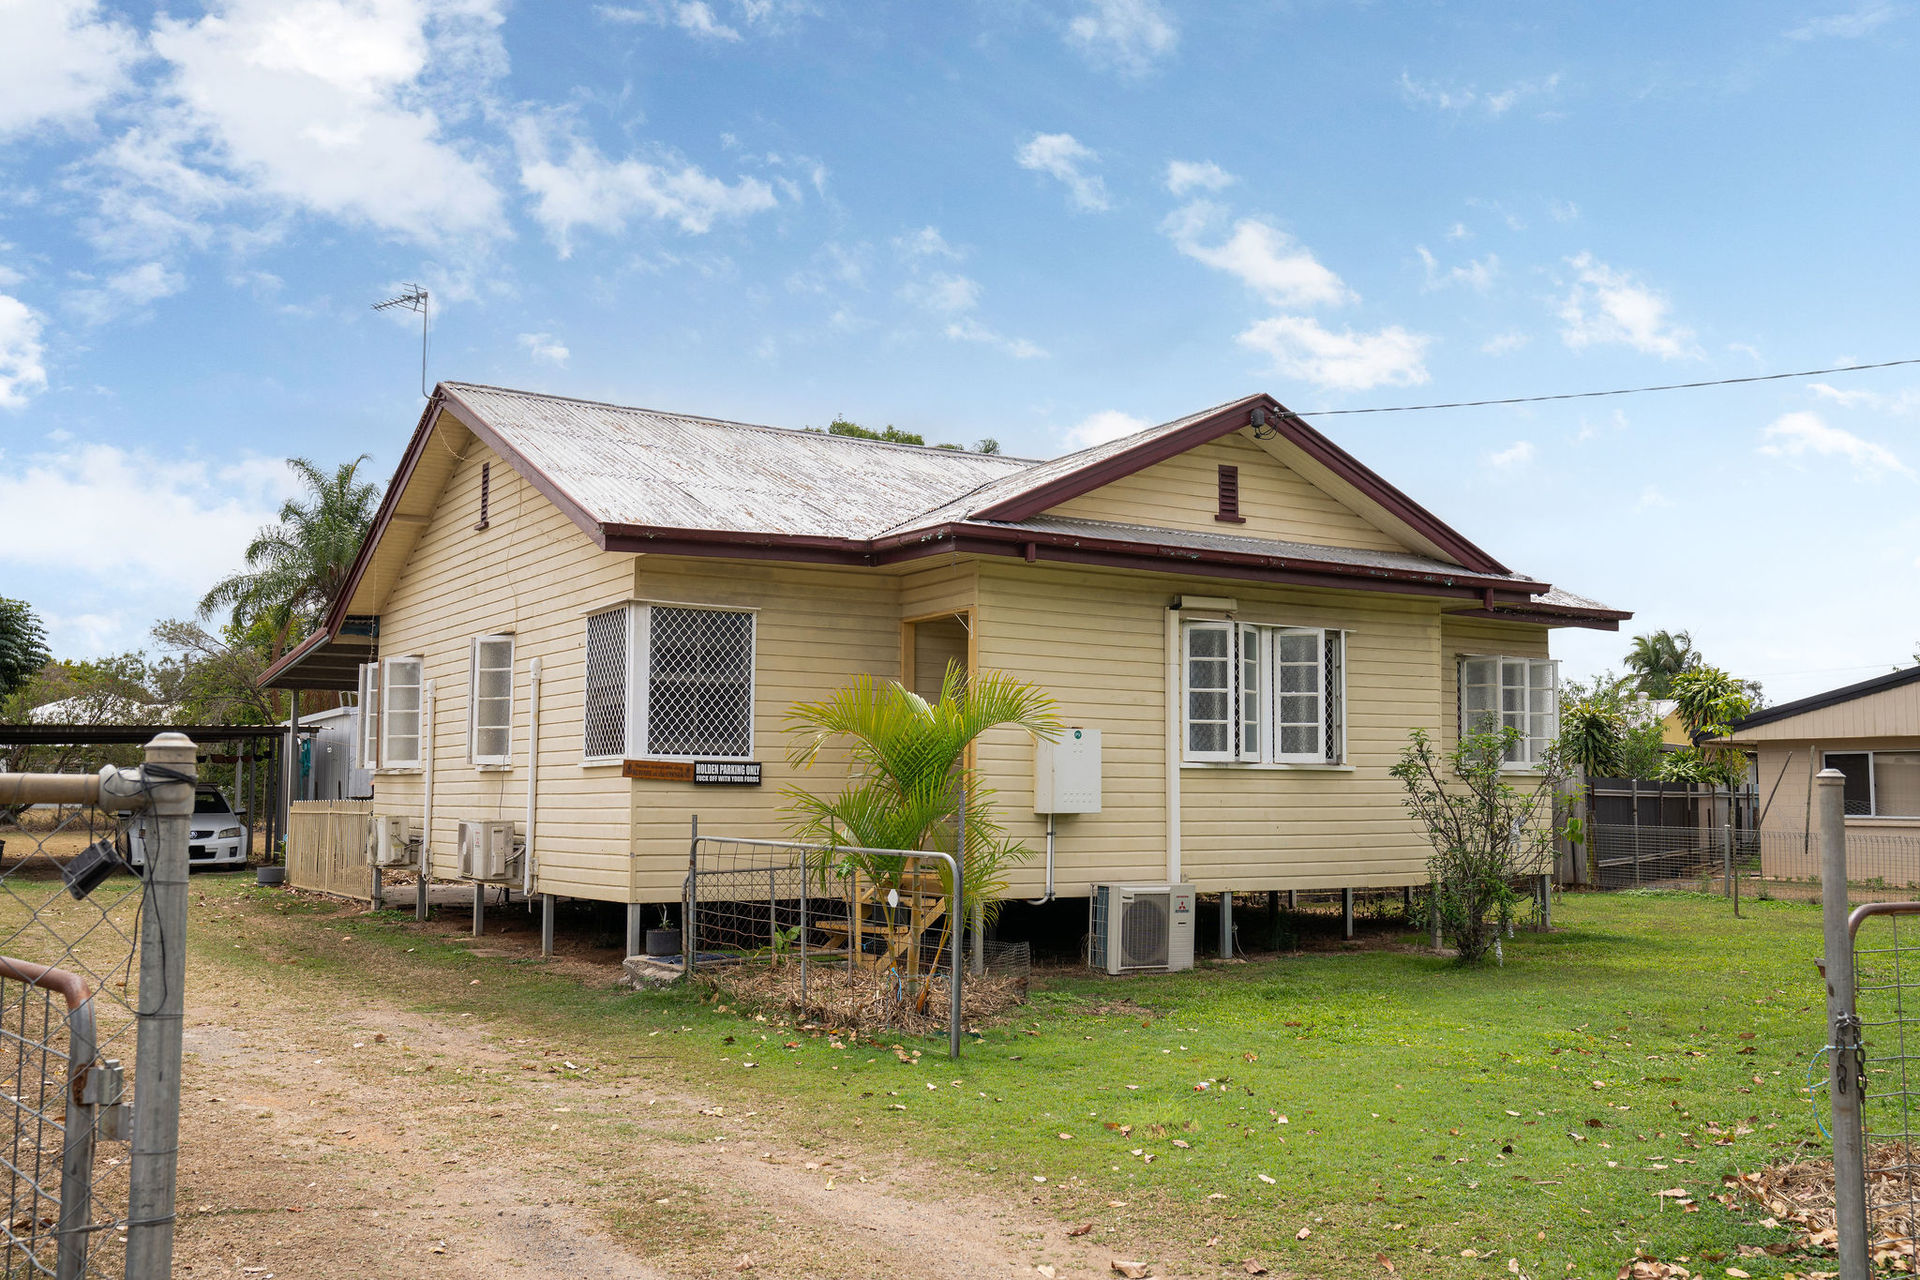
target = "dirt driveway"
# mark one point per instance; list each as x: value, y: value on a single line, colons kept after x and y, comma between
x: 326, y: 1134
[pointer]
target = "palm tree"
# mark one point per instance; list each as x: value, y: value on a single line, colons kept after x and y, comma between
x: 297, y: 566
x: 1657, y: 658
x: 909, y: 769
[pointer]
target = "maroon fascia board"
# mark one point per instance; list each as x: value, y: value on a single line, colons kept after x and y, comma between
x: 337, y: 611
x: 1551, y: 616
x: 1224, y: 422
x: 293, y: 655
x: 543, y: 483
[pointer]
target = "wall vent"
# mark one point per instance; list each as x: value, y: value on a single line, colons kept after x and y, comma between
x: 1229, y: 512
x: 486, y: 492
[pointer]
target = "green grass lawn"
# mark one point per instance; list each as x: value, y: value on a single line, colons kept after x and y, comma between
x: 1316, y: 1112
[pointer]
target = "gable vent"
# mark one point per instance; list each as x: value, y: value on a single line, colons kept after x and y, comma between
x: 1229, y: 512
x: 486, y: 488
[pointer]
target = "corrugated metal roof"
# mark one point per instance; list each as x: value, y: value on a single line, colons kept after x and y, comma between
x: 628, y: 466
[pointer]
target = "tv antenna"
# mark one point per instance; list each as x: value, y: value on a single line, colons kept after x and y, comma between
x: 412, y: 298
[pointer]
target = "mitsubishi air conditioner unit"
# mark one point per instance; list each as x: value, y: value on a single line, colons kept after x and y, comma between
x: 1141, y: 927
x: 390, y: 843
x: 486, y: 850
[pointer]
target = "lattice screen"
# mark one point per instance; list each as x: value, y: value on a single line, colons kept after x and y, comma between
x: 700, y: 683
x: 606, y: 692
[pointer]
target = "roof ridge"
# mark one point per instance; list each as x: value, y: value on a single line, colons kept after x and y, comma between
x: 729, y: 422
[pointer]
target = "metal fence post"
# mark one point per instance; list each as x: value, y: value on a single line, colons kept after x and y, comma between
x: 76, y: 1160
x: 1843, y: 1024
x: 953, y: 953
x: 689, y: 908
x: 163, y: 982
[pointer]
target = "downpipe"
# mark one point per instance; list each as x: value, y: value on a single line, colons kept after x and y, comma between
x: 533, y: 778
x: 1043, y: 901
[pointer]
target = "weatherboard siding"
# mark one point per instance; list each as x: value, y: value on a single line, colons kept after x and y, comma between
x: 534, y: 574
x: 1276, y: 501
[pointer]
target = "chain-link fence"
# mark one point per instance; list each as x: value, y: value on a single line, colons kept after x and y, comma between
x: 857, y: 938
x: 92, y: 979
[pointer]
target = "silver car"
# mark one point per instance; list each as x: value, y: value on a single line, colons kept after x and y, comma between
x: 215, y: 837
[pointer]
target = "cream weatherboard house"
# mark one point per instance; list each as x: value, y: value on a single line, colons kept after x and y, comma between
x: 1252, y: 620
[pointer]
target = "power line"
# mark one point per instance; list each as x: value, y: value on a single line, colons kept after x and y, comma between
x: 1620, y: 391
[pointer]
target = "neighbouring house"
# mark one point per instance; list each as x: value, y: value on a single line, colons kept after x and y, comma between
x: 1870, y: 732
x: 1252, y: 619
x: 330, y: 758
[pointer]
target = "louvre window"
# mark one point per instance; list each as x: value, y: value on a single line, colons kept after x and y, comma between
x: 1522, y: 694
x: 490, y: 701
x: 609, y: 653
x: 690, y: 674
x: 1263, y: 694
x: 400, y: 713
x: 367, y: 742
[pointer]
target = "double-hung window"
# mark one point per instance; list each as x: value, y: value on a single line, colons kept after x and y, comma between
x: 490, y: 701
x: 1262, y: 694
x: 669, y: 682
x: 1521, y: 694
x: 400, y: 719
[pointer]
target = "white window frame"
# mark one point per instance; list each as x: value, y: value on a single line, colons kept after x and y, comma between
x: 1188, y: 630
x: 474, y: 754
x: 366, y: 744
x: 1525, y: 754
x: 1873, y: 781
x: 389, y: 759
x: 639, y: 673
x: 1253, y: 680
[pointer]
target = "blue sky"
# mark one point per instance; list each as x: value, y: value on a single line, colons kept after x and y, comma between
x: 1043, y: 222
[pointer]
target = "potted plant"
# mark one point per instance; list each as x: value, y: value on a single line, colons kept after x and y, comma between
x: 663, y: 940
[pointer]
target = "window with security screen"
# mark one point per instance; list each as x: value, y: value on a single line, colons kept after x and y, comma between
x: 669, y: 681
x: 699, y: 682
x: 1259, y: 694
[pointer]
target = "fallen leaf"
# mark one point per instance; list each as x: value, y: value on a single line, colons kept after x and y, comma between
x: 1264, y: 1178
x: 1303, y: 1233
x: 1132, y: 1270
x: 745, y: 1263
x: 1080, y: 1230
x: 1384, y: 1261
x: 1253, y: 1268
x: 1045, y: 1272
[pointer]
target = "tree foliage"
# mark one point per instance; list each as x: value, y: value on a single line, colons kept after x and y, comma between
x: 1488, y: 825
x: 23, y: 645
x: 1657, y: 657
x: 1709, y: 701
x: 296, y: 566
x: 908, y: 768
x: 1609, y: 729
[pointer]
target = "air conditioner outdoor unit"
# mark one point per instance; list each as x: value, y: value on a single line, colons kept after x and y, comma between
x: 391, y: 842
x: 1141, y: 927
x: 486, y: 850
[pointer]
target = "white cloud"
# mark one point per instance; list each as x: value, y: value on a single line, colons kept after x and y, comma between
x: 99, y: 505
x: 944, y: 292
x: 1905, y: 401
x: 1458, y: 101
x: 1263, y: 257
x: 692, y: 16
x: 546, y: 349
x: 574, y: 186
x: 335, y: 107
x: 58, y: 61
x: 1802, y: 434
x: 927, y: 242
x: 1863, y: 20
x: 1652, y: 499
x: 1062, y: 156
x: 968, y: 329
x: 125, y: 291
x: 23, y: 367
x: 1098, y: 428
x: 1502, y: 344
x: 1607, y: 306
x: 1202, y: 175
x: 697, y: 19
x: 1563, y: 210
x: 1517, y: 454
x: 1477, y: 275
x: 1129, y: 36
x: 1346, y: 361
x: 1458, y: 231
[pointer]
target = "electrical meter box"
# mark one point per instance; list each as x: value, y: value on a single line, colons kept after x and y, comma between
x: 1066, y: 773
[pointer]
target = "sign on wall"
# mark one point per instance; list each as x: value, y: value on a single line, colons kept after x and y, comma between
x: 726, y: 773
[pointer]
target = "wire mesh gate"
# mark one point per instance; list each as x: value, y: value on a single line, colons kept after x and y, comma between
x: 92, y: 975
x: 882, y: 927
x: 1877, y: 1046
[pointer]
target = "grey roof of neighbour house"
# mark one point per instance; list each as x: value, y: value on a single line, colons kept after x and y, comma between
x: 668, y: 470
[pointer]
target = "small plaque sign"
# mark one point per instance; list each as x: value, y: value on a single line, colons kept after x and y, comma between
x: 727, y: 773
x: 658, y: 770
